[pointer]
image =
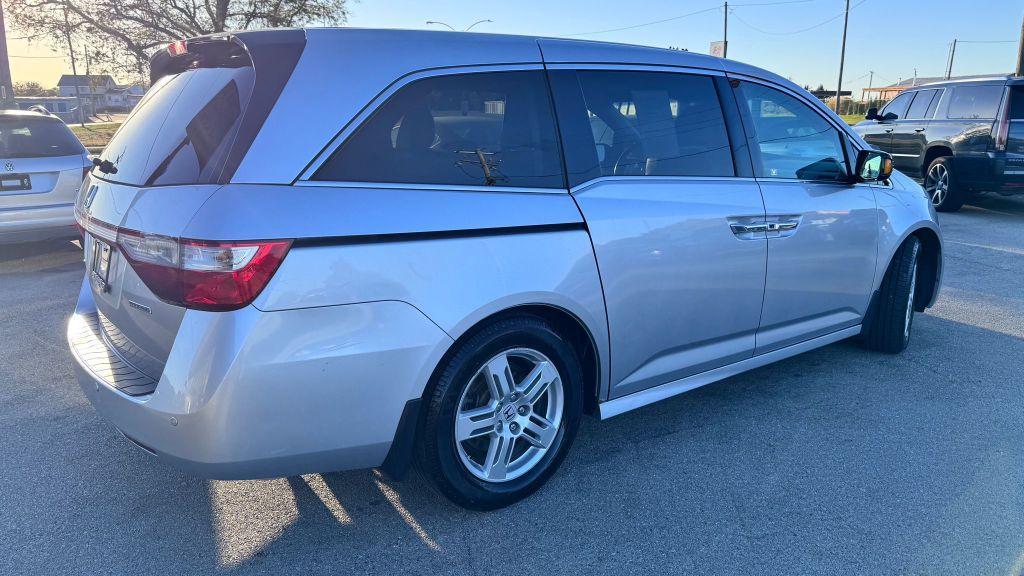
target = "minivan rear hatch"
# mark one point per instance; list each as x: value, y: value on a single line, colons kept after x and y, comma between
x: 208, y: 99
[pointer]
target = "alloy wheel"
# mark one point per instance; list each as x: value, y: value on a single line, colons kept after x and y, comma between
x: 936, y: 184
x: 910, y: 303
x: 509, y: 415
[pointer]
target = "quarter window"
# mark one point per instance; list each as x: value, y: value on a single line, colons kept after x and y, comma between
x: 975, y: 101
x: 793, y: 140
x: 487, y: 129
x: 654, y: 124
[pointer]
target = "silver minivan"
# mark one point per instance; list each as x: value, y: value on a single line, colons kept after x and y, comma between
x: 326, y: 249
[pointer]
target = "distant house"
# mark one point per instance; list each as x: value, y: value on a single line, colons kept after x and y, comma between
x: 101, y: 92
x: 61, y: 106
x: 891, y: 91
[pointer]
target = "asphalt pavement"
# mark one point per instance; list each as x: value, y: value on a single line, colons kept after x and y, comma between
x: 839, y: 461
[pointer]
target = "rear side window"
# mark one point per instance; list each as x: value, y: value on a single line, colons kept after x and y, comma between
x: 483, y: 129
x: 975, y: 102
x: 655, y: 124
x: 30, y: 137
x: 182, y: 130
x: 793, y: 140
x: 922, y: 103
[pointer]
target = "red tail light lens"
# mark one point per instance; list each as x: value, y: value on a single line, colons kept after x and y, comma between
x: 201, y: 274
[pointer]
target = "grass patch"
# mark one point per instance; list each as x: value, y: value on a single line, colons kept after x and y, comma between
x: 852, y: 119
x: 95, y: 135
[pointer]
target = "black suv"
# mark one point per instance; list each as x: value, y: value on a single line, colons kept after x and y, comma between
x: 961, y: 137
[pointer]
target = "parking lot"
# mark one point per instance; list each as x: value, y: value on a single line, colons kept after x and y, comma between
x: 839, y: 461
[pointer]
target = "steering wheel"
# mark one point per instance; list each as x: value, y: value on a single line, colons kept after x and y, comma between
x: 631, y: 161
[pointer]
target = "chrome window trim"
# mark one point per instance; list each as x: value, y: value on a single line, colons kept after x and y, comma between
x: 655, y: 179
x: 426, y: 187
x: 399, y: 83
x: 611, y: 67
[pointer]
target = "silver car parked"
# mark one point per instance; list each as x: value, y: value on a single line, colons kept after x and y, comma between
x: 315, y: 250
x: 42, y: 165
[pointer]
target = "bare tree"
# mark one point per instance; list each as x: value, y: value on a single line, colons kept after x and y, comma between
x: 121, y: 34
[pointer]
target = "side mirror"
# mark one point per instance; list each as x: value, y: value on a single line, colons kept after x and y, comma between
x: 872, y: 114
x: 873, y: 166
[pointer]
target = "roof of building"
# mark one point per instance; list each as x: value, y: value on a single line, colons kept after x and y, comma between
x: 84, y: 80
x: 922, y: 80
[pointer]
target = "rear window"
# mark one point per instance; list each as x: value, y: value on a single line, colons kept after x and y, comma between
x: 975, y: 102
x: 1017, y: 103
x: 182, y: 130
x: 30, y: 137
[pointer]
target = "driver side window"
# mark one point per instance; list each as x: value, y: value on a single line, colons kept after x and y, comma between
x: 897, y: 109
x: 656, y: 124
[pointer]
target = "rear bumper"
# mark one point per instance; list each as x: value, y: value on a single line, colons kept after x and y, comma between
x: 252, y: 394
x: 37, y: 223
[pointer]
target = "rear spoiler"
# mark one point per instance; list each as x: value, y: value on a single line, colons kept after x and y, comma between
x: 273, y: 55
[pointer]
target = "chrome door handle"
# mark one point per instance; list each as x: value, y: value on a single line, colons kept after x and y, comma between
x: 782, y: 226
x: 749, y: 228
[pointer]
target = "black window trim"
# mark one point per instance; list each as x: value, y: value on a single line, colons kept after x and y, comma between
x: 305, y: 178
x: 845, y: 133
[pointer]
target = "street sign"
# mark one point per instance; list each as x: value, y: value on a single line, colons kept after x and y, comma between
x: 717, y: 49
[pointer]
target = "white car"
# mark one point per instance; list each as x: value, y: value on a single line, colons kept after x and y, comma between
x: 42, y: 165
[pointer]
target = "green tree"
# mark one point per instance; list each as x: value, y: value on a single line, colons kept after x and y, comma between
x: 33, y: 89
x: 122, y: 34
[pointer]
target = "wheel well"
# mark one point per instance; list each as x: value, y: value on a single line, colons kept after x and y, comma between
x: 928, y: 267
x: 933, y: 153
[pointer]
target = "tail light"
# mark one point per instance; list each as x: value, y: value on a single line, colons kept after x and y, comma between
x: 1002, y: 128
x: 201, y: 274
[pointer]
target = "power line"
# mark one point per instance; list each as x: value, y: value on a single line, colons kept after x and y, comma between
x: 18, y: 56
x: 681, y: 16
x: 687, y: 15
x: 801, y: 30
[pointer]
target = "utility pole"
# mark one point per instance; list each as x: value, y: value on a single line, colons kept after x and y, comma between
x: 1020, y: 51
x: 6, y: 87
x: 725, y: 33
x: 74, y: 70
x: 842, y: 57
x: 949, y: 65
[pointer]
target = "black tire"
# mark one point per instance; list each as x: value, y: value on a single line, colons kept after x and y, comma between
x: 437, y: 453
x: 889, y: 328
x: 951, y: 196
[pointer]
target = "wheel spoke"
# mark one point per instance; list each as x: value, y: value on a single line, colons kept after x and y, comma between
x: 499, y: 454
x: 475, y: 422
x: 499, y: 377
x: 539, y: 431
x: 537, y: 381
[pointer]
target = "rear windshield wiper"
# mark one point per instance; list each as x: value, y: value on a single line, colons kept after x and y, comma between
x: 105, y: 166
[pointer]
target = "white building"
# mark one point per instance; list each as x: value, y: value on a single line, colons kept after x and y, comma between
x: 100, y: 93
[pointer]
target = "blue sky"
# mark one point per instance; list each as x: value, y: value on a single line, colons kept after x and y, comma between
x: 891, y: 37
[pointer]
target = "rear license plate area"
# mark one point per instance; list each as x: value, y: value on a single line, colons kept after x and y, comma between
x: 99, y: 265
x: 15, y: 182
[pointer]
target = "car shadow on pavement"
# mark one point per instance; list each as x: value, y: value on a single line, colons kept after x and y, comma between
x: 776, y: 468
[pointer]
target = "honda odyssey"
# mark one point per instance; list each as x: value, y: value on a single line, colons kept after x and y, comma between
x: 326, y: 249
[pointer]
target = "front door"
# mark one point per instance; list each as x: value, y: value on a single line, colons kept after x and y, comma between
x: 822, y: 230
x: 674, y: 229
x: 909, y: 137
